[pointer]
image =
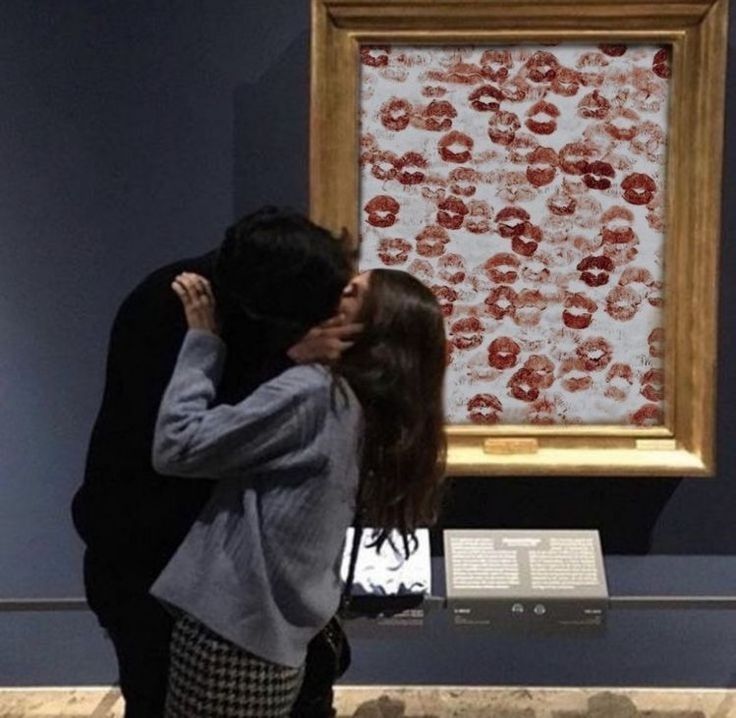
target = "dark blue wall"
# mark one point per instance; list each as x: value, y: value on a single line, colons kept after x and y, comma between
x: 131, y: 133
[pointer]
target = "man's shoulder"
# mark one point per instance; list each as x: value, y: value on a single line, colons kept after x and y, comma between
x: 156, y: 286
x: 162, y: 277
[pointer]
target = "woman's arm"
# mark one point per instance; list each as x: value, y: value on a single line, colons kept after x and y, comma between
x: 266, y: 429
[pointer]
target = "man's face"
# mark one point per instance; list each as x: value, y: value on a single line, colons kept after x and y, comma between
x: 353, y: 296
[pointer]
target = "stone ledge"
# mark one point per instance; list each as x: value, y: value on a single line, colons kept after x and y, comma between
x: 424, y: 702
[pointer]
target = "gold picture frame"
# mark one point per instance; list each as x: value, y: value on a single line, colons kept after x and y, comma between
x: 696, y: 31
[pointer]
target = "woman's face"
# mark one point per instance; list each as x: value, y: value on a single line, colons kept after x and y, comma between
x: 353, y: 296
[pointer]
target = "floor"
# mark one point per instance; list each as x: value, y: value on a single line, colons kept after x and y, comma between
x: 424, y: 702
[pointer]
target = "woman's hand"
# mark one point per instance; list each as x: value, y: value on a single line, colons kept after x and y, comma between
x: 198, y: 300
x: 326, y: 342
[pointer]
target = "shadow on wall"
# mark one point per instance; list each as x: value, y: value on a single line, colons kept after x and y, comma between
x: 271, y: 134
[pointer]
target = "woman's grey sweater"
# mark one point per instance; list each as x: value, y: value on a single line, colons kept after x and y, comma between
x: 260, y: 566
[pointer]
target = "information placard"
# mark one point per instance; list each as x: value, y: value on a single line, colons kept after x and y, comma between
x: 522, y: 576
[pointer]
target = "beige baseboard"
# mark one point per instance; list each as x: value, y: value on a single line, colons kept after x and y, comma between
x: 424, y: 702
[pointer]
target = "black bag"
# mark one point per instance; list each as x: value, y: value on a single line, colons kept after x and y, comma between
x: 329, y: 651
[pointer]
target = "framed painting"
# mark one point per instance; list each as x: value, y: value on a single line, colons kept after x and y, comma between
x: 552, y: 170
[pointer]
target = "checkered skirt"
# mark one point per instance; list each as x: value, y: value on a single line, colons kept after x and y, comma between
x: 210, y: 677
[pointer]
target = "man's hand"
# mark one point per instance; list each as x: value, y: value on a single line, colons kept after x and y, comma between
x: 198, y: 300
x: 325, y: 343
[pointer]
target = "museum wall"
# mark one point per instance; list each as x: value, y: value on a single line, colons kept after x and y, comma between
x: 132, y: 133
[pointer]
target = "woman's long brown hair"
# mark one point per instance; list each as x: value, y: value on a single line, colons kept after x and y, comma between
x: 396, y: 369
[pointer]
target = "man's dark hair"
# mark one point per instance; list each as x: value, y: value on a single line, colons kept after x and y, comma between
x: 277, y: 266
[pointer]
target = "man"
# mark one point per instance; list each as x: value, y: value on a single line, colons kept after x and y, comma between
x: 133, y: 519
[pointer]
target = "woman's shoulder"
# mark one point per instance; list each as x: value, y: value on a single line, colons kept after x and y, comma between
x: 305, y: 380
x: 317, y: 383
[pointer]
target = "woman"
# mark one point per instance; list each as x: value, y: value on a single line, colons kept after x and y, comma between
x: 258, y: 575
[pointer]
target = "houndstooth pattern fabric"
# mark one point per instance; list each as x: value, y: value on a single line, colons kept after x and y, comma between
x: 211, y: 677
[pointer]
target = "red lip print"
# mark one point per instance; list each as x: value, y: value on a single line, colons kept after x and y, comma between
x: 577, y: 378
x: 514, y: 187
x: 661, y: 64
x: 542, y: 412
x: 594, y: 354
x: 529, y: 306
x: 527, y: 242
x: 500, y: 302
x: 592, y: 59
x: 452, y: 268
x: 652, y: 385
x: 502, y: 127
x: 578, y: 312
x: 623, y: 125
x: 446, y: 296
x: 649, y: 141
x: 622, y: 303
x: 616, y: 226
x: 502, y: 268
x: 503, y: 353
x: 460, y: 73
x: 598, y: 175
x: 566, y: 82
x: 510, y: 221
x: 516, y: 89
x: 383, y: 165
x: 574, y: 157
x: 521, y: 148
x: 655, y: 214
x: 588, y: 212
x: 396, y: 114
x: 638, y: 188
x: 594, y: 106
x: 636, y: 275
x: 536, y: 272
x: 431, y: 241
x: 393, y: 251
x: 486, y: 98
x: 451, y: 213
x: 613, y: 50
x: 382, y: 210
x: 561, y: 204
x: 422, y: 270
x: 648, y: 415
x: 478, y: 219
x: 542, y: 167
x: 484, y: 409
x: 619, y: 379
x: 542, y: 127
x: 594, y: 271
x: 438, y: 116
x: 456, y: 147
x: 375, y: 55
x: 543, y: 370
x: 467, y: 333
x: 619, y: 239
x: 436, y: 91
x: 542, y: 67
x: 522, y: 385
x: 656, y: 342
x: 461, y: 179
x: 496, y: 64
x: 409, y: 160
